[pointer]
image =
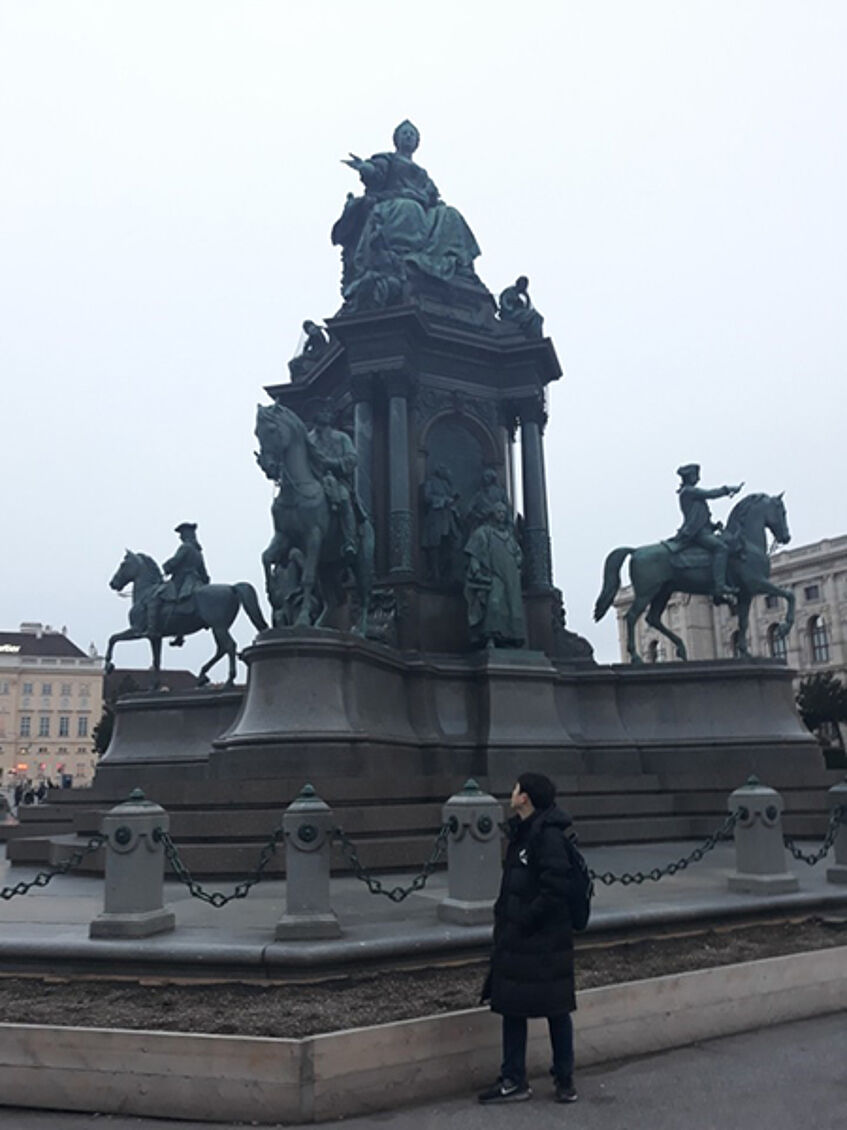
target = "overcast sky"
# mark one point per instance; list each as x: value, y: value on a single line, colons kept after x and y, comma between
x: 671, y: 177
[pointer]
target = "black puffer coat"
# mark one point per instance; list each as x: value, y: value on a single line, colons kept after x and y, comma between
x: 532, y: 970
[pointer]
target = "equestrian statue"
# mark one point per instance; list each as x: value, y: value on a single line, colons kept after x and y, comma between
x: 731, y: 565
x: 323, y: 538
x: 184, y: 604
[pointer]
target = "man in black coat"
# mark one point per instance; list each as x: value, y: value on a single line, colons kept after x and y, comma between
x: 532, y: 970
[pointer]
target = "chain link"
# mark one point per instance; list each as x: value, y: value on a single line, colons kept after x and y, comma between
x: 44, y: 877
x: 724, y: 832
x: 217, y: 899
x: 836, y: 818
x: 396, y: 894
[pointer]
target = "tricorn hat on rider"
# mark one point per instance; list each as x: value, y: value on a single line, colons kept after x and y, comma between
x: 687, y: 470
x: 186, y: 528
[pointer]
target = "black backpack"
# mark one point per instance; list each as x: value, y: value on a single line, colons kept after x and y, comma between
x: 581, y: 886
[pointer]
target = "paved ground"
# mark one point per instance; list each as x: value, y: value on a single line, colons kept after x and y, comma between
x: 785, y: 1078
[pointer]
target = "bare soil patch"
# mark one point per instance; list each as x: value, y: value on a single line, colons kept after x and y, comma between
x: 373, y: 997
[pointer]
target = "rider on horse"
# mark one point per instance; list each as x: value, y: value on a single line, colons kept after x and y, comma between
x: 335, y: 460
x: 699, y: 529
x: 187, y: 571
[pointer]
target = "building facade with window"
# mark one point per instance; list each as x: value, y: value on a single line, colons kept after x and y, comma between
x: 816, y: 574
x: 51, y: 697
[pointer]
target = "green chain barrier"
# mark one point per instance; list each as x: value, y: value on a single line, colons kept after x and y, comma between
x: 217, y: 899
x: 396, y: 894
x: 44, y: 877
x: 724, y: 832
x: 836, y: 818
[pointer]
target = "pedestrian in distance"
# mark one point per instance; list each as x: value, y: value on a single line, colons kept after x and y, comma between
x: 532, y: 966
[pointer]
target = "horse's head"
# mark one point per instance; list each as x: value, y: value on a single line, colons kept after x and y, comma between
x: 776, y: 519
x: 757, y: 512
x: 127, y: 571
x: 277, y: 430
x: 278, y: 425
x: 138, y: 567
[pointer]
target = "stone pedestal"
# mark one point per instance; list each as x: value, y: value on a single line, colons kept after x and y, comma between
x: 308, y: 825
x: 640, y: 753
x: 133, y: 895
x: 415, y: 395
x: 838, y: 799
x: 473, y: 856
x: 168, y: 727
x: 759, y: 847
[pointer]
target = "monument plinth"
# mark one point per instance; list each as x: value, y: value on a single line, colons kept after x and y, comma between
x: 419, y: 397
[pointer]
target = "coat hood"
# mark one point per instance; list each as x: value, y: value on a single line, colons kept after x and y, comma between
x: 554, y: 817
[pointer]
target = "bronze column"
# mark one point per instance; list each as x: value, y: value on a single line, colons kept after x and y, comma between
x: 363, y: 425
x: 539, y: 573
x: 399, y: 487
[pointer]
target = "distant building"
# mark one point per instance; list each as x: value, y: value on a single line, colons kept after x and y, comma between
x: 51, y: 698
x: 816, y: 573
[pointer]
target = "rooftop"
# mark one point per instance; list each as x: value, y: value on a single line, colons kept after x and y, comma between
x: 37, y: 639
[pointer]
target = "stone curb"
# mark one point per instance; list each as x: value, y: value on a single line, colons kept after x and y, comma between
x: 212, y: 1078
x: 190, y: 951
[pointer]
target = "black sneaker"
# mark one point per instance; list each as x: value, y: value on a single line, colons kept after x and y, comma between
x: 505, y: 1091
x: 565, y: 1092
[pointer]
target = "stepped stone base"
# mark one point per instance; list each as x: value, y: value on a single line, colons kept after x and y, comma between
x: 292, y: 927
x: 385, y: 737
x: 762, y: 884
x: 141, y: 925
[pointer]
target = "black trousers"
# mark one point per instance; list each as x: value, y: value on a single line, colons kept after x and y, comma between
x: 514, y: 1047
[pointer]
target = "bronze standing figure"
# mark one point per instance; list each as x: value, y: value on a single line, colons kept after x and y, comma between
x: 493, y: 583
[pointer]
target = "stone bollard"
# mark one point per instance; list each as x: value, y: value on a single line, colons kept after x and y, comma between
x: 837, y: 796
x: 473, y: 856
x: 135, y: 872
x: 307, y: 825
x: 759, y: 847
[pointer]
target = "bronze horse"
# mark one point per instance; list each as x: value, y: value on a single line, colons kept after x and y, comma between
x: 303, y: 563
x: 215, y: 608
x: 656, y: 575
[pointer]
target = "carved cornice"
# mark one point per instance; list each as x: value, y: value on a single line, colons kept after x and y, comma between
x: 508, y: 418
x: 432, y: 402
x: 362, y: 386
x: 533, y: 409
x: 401, y: 383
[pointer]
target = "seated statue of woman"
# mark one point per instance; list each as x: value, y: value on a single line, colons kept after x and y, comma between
x: 401, y: 211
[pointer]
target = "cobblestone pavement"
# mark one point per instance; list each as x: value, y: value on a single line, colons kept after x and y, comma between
x: 791, y: 1076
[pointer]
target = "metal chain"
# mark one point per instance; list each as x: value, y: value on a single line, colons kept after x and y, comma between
x: 217, y: 898
x: 396, y: 894
x: 44, y: 877
x: 836, y: 818
x: 724, y: 832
